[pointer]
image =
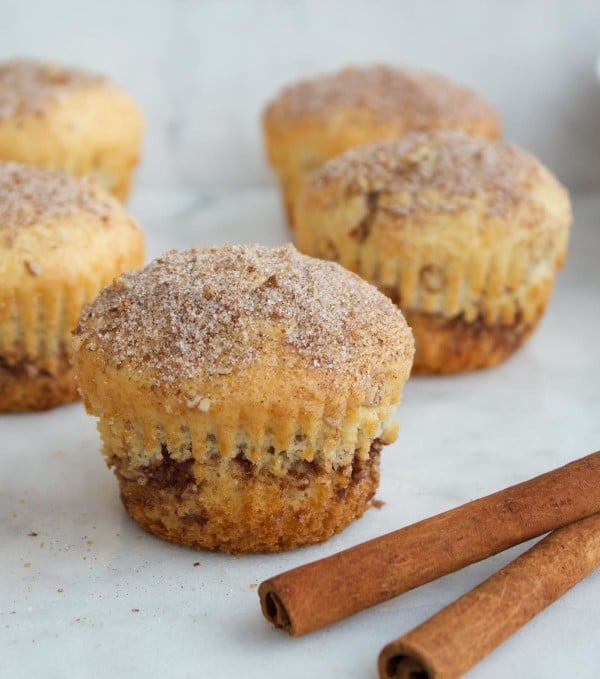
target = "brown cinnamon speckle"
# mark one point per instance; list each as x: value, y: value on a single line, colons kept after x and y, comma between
x: 27, y: 87
x: 414, y: 100
x: 211, y: 311
x: 32, y: 195
x: 454, y: 165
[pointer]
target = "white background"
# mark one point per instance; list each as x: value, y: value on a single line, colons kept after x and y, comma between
x: 203, y: 70
x: 90, y: 594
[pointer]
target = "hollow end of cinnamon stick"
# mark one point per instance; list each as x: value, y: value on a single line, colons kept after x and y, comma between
x: 273, y: 609
x: 395, y: 663
x: 460, y: 635
x: 320, y: 593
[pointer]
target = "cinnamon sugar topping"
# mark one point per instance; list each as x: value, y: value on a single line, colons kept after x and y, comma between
x: 453, y: 164
x: 413, y: 96
x: 30, y: 195
x: 28, y: 86
x: 213, y: 311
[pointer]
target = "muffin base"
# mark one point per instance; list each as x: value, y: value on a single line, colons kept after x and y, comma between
x: 25, y: 386
x: 249, y: 510
x: 453, y: 345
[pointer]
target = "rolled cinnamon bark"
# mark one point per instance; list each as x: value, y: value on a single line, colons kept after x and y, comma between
x: 451, y: 642
x: 320, y: 593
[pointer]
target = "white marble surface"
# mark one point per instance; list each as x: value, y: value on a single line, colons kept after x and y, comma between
x: 70, y: 594
x: 203, y: 71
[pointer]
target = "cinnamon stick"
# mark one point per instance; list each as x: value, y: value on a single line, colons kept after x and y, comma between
x: 320, y: 593
x: 451, y: 642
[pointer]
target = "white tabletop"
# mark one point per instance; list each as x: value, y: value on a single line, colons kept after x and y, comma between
x: 85, y: 593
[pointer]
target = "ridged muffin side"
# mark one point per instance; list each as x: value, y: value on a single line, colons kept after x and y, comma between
x: 62, y: 239
x: 243, y: 394
x: 464, y: 233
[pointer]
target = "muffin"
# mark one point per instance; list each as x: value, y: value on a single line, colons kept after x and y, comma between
x: 69, y: 119
x: 464, y: 233
x: 243, y: 394
x: 315, y: 120
x: 62, y: 238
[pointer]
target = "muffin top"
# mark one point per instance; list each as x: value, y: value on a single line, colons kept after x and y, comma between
x: 413, y: 99
x: 443, y: 171
x: 31, y: 195
x: 28, y: 86
x: 54, y: 224
x: 205, y: 314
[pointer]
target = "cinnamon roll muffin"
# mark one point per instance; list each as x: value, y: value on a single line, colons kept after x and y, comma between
x: 243, y: 394
x: 65, y: 118
x: 464, y: 233
x: 62, y: 238
x: 315, y: 120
